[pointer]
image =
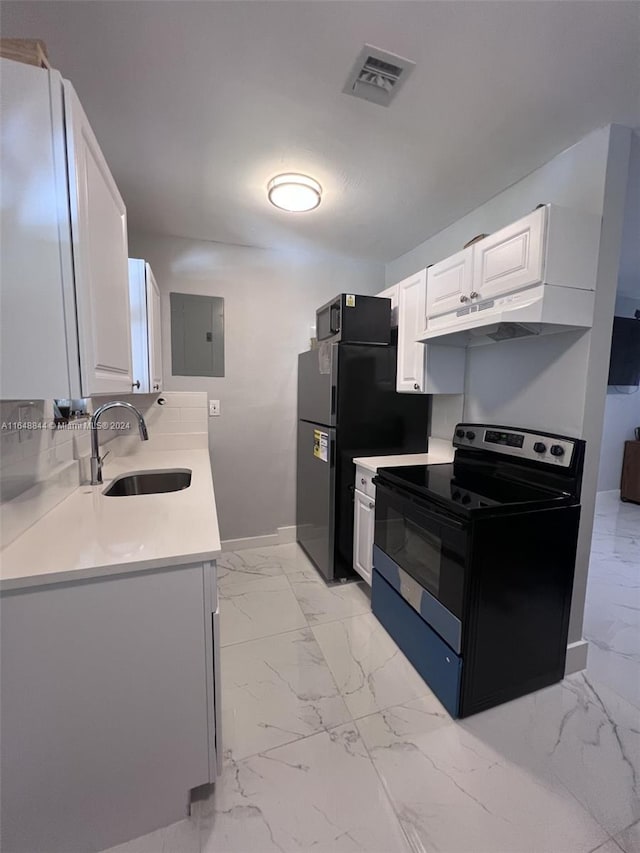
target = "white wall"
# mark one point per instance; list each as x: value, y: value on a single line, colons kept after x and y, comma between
x: 622, y: 407
x: 558, y: 382
x: 270, y: 301
x: 629, y: 276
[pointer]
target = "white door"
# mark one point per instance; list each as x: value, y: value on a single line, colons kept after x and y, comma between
x: 512, y: 258
x: 392, y: 294
x: 154, y: 331
x: 99, y: 233
x: 363, y: 521
x: 411, y: 313
x: 449, y: 283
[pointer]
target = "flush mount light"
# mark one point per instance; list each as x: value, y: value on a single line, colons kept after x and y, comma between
x: 294, y: 193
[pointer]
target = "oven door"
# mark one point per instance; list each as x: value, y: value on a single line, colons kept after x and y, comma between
x: 422, y: 551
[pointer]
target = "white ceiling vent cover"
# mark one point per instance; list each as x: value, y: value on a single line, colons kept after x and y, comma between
x: 377, y: 75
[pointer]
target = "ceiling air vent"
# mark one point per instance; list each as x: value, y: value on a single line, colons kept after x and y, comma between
x: 377, y: 75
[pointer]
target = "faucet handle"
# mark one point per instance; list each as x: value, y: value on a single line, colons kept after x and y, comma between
x: 104, y: 455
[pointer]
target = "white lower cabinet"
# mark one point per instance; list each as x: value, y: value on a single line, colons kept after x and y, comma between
x: 363, y: 527
x: 110, y: 702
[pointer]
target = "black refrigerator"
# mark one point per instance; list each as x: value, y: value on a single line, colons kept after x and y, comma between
x: 347, y: 407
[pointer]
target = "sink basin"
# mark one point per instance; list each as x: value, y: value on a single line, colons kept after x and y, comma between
x: 150, y: 483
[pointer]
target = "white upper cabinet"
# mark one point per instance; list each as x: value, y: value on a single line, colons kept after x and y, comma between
x: 423, y: 369
x: 155, y: 332
x: 146, y: 342
x: 64, y: 277
x: 539, y: 272
x: 411, y: 312
x: 100, y: 255
x: 449, y: 283
x: 510, y: 259
x: 35, y: 260
x: 392, y: 294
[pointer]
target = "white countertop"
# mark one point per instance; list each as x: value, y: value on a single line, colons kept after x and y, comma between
x: 439, y: 451
x: 89, y: 535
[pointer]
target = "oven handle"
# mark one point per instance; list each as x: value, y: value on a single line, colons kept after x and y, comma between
x: 424, y: 508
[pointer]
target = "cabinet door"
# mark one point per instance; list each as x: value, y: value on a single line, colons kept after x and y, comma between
x: 120, y: 664
x: 449, y: 283
x: 38, y: 346
x: 392, y: 294
x: 99, y: 234
x: 512, y: 258
x: 154, y: 332
x: 139, y: 328
x: 364, y: 516
x: 411, y: 312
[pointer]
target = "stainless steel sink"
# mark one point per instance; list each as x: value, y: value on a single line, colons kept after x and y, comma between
x: 150, y: 483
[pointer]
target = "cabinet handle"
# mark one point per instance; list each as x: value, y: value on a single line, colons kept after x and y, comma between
x: 363, y: 481
x: 416, y: 387
x: 135, y: 384
x: 464, y: 298
x: 474, y: 294
x: 371, y: 505
x: 156, y: 387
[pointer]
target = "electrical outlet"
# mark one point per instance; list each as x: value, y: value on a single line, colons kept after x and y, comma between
x: 214, y: 408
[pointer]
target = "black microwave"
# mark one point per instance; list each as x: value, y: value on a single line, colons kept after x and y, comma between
x: 355, y: 319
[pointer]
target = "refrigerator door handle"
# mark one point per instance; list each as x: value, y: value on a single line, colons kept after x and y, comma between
x: 333, y: 399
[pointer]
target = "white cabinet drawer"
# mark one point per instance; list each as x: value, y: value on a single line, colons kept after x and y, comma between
x: 364, y: 482
x: 512, y: 258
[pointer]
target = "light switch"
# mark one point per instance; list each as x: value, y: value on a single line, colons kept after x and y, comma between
x: 214, y: 408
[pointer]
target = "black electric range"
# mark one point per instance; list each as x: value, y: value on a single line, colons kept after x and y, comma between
x: 474, y: 562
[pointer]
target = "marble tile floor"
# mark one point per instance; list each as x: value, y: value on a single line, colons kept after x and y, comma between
x: 334, y: 744
x: 612, y: 612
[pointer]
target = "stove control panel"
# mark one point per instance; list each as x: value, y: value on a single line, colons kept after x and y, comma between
x: 552, y: 450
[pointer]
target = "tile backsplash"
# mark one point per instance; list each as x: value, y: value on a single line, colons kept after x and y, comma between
x: 40, y: 466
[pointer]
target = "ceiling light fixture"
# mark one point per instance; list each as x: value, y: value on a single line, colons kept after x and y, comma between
x: 295, y: 193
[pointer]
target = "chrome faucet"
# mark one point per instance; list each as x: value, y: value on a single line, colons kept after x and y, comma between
x: 96, y: 459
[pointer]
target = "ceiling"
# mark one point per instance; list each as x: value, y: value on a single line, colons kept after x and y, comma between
x: 198, y: 104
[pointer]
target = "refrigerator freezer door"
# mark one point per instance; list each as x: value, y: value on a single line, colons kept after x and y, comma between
x: 315, y: 515
x: 317, y: 377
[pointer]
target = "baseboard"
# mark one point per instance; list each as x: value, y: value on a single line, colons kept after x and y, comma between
x: 284, y: 536
x: 576, y: 657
